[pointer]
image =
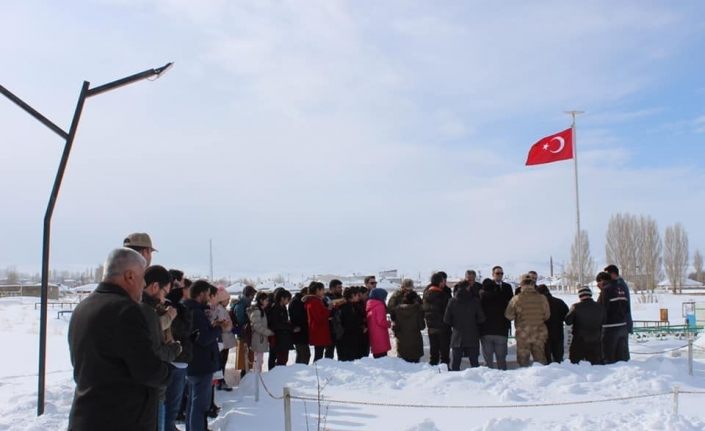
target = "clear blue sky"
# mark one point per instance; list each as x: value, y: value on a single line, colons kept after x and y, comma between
x: 349, y: 136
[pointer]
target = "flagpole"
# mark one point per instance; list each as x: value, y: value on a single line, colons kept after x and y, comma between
x: 577, y: 199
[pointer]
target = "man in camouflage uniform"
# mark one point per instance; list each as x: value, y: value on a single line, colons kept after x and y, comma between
x: 529, y: 310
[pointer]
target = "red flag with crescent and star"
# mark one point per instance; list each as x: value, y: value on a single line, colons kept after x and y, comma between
x: 553, y: 148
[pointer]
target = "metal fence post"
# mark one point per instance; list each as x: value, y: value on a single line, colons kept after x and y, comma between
x: 690, y: 354
x: 287, y: 409
x: 676, y: 389
x: 257, y: 377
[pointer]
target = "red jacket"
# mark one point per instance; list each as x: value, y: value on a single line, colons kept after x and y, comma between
x: 318, y: 323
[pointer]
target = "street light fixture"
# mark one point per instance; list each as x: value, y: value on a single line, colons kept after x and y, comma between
x: 69, y: 136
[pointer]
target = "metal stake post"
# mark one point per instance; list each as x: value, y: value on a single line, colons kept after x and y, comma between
x: 287, y: 409
x: 690, y: 353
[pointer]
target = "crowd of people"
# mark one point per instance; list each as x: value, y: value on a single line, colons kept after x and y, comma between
x: 149, y: 347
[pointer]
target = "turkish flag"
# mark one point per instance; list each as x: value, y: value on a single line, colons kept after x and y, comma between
x: 552, y: 148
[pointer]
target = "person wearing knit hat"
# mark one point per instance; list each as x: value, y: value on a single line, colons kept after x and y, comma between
x: 218, y: 305
x: 587, y: 317
x: 529, y: 310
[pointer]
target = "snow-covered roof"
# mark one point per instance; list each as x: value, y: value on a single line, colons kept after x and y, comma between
x: 86, y: 288
x: 685, y: 282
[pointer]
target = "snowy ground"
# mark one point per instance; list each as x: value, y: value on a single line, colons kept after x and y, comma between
x: 390, y: 380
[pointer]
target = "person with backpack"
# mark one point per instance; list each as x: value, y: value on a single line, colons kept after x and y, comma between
x: 299, y: 323
x: 408, y: 322
x: 278, y: 319
x: 318, y: 319
x: 378, y: 324
x: 464, y: 314
x: 245, y: 357
x: 260, y: 329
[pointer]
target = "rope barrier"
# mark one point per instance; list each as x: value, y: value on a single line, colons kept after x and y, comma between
x: 490, y: 406
x: 266, y: 389
x: 659, y: 352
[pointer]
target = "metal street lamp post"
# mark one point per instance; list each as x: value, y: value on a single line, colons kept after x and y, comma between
x: 69, y: 136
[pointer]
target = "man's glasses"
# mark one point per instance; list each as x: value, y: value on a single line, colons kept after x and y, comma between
x: 498, y: 273
x: 374, y: 283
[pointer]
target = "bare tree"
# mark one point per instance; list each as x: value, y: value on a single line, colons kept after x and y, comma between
x: 649, y: 260
x: 675, y: 257
x: 698, y: 264
x: 98, y: 274
x: 587, y: 269
x: 12, y: 276
x: 622, y: 244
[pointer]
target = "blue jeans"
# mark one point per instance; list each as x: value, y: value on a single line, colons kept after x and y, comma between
x: 161, y: 416
x: 174, y: 394
x: 198, y: 402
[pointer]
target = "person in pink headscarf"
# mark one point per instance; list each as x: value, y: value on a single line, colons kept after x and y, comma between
x: 377, y: 323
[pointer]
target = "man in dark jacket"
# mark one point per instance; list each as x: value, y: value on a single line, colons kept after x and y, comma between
x: 333, y: 299
x: 299, y: 323
x: 116, y: 371
x: 181, y: 331
x: 156, y: 278
x: 554, y: 324
x: 494, y: 297
x: 435, y: 300
x: 613, y: 271
x: 206, y: 357
x: 587, y: 317
x: 464, y: 314
x: 615, y: 330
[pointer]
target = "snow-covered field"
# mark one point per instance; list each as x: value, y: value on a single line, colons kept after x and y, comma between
x: 490, y: 400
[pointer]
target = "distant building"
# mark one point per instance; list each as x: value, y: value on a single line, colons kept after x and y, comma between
x: 33, y: 290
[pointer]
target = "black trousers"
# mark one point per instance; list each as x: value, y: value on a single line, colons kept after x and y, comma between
x: 318, y: 352
x: 554, y: 348
x: 330, y: 351
x: 303, y: 354
x: 615, y: 344
x: 439, y: 347
x: 581, y: 350
x: 472, y: 353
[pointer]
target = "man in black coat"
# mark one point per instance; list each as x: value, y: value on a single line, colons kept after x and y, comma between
x: 494, y: 298
x: 206, y: 356
x: 554, y: 324
x: 117, y: 372
x: 615, y: 330
x: 435, y: 301
x: 587, y: 317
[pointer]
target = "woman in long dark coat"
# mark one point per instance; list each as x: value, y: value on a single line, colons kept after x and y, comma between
x: 353, y: 323
x: 408, y: 324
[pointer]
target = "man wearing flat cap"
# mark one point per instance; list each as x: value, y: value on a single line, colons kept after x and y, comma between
x: 141, y: 243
